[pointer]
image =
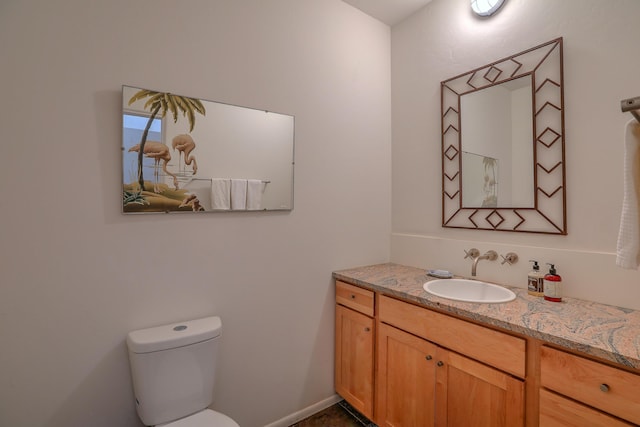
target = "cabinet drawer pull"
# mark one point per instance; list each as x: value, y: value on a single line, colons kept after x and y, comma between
x: 367, y: 329
x: 428, y: 357
x: 353, y: 296
x: 440, y: 363
x: 604, y: 388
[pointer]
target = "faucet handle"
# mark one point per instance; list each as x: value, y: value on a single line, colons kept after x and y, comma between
x: 472, y: 253
x: 510, y: 258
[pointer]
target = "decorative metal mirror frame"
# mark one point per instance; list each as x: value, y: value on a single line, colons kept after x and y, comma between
x: 548, y: 215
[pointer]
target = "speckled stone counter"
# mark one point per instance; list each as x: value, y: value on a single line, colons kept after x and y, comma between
x: 603, y: 331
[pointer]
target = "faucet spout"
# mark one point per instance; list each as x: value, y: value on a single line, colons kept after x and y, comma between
x: 490, y: 255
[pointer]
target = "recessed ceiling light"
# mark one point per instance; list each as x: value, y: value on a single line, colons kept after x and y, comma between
x: 486, y: 7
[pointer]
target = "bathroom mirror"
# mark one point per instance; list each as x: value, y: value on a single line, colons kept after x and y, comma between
x: 203, y: 156
x: 497, y: 129
x: 503, y: 165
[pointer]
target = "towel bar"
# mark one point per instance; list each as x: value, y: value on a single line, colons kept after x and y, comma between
x: 631, y: 105
x: 264, y: 181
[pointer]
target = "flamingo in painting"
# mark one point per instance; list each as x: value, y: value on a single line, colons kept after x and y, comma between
x: 185, y: 145
x: 157, y: 151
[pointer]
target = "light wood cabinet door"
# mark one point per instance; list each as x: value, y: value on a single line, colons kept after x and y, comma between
x: 420, y: 384
x: 354, y: 359
x: 557, y: 411
x: 405, y: 379
x: 470, y: 394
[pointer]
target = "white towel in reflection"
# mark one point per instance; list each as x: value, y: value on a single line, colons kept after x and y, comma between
x: 254, y: 194
x: 221, y: 194
x: 238, y: 194
x: 628, y: 251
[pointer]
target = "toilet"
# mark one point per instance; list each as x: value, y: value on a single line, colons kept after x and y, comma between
x: 173, y: 372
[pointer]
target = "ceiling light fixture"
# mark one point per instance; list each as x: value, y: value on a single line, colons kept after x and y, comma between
x: 486, y: 7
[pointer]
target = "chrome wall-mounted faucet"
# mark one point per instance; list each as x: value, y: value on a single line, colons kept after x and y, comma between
x: 475, y: 254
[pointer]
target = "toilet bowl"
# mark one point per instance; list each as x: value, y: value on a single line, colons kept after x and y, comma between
x: 173, y: 373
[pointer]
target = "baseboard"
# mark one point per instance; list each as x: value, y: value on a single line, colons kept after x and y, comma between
x: 306, y: 412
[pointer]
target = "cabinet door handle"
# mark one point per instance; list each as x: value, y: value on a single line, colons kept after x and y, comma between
x: 428, y: 357
x: 367, y: 329
x: 440, y: 363
x: 604, y: 387
x: 353, y: 296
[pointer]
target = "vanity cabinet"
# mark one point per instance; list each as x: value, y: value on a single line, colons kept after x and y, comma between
x: 422, y: 382
x: 581, y: 392
x: 354, y: 346
x: 405, y: 360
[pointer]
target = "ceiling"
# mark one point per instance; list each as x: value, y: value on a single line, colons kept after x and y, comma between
x: 388, y: 11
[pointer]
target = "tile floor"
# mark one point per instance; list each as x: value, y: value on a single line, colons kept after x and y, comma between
x: 338, y: 415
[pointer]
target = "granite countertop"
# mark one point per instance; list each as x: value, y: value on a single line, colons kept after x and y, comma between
x: 603, y: 331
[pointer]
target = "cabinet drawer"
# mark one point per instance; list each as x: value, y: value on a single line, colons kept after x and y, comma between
x: 610, y: 389
x: 557, y: 411
x: 497, y: 349
x: 354, y: 297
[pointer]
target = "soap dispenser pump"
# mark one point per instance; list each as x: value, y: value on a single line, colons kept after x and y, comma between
x: 535, y: 280
x: 552, y: 285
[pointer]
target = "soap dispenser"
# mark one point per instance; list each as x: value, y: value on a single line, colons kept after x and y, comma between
x: 552, y: 285
x: 535, y: 280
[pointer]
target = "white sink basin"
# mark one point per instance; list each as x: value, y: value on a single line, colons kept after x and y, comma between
x: 469, y: 291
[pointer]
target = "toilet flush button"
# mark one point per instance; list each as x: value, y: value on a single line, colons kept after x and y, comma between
x: 180, y: 328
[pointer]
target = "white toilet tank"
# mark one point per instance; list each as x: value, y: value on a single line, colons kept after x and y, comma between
x: 173, y: 368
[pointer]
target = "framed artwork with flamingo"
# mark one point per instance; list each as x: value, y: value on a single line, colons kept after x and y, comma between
x: 186, y: 154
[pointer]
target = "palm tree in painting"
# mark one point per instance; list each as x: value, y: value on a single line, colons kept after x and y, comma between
x: 159, y: 104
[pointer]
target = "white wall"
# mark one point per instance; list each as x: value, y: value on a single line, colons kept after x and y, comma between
x: 76, y: 275
x: 600, y: 64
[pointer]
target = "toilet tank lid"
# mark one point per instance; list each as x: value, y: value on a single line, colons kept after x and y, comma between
x: 174, y: 335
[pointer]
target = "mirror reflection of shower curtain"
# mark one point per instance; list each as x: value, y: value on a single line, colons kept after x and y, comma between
x: 480, y: 183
